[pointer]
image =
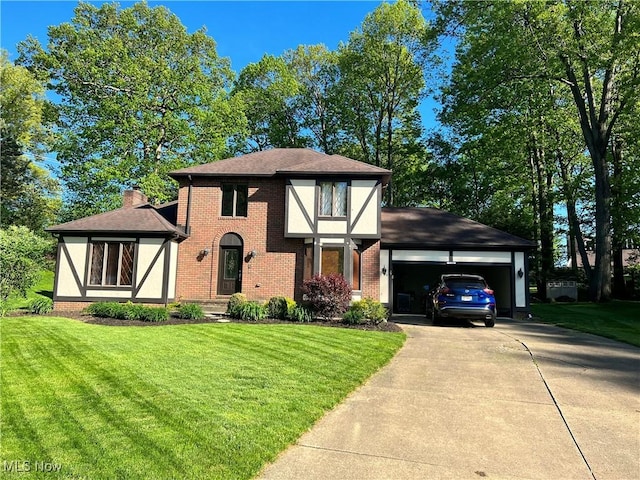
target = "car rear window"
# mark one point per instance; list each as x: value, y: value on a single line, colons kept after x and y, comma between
x: 465, y: 283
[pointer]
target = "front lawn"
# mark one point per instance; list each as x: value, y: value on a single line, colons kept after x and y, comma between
x: 174, y: 401
x: 617, y: 319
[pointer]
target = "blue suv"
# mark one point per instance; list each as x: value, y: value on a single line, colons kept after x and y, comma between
x: 462, y: 296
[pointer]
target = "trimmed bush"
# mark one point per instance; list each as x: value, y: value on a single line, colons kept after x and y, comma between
x: 366, y: 310
x: 298, y: 313
x: 355, y: 315
x: 328, y: 295
x: 236, y: 300
x: 41, y: 305
x: 277, y: 307
x: 190, y: 311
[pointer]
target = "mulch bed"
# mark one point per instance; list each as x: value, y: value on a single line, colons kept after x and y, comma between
x: 86, y: 318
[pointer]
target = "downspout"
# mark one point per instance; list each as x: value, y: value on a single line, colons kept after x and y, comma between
x: 187, y: 226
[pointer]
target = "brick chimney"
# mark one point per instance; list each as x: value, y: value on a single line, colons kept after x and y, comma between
x: 133, y: 197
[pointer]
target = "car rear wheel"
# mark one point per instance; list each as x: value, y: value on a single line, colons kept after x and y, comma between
x: 489, y: 323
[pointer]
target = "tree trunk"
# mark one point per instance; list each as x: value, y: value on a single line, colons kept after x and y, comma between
x: 618, y: 236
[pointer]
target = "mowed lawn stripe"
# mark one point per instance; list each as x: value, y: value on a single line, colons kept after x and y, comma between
x: 175, y: 401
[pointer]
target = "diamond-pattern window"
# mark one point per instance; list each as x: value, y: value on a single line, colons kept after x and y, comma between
x: 112, y: 263
x: 126, y: 264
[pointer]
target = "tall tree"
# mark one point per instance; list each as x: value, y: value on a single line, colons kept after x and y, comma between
x: 29, y: 194
x: 139, y: 96
x: 382, y: 79
x: 267, y: 90
x: 590, y: 47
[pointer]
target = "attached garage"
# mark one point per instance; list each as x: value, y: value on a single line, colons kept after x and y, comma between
x: 420, y: 244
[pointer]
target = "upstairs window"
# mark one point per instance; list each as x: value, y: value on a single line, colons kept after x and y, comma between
x: 333, y: 199
x: 234, y: 200
x: 111, y: 263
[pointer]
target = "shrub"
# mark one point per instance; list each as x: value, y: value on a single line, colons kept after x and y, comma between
x: 298, y: 313
x: 354, y: 316
x: 134, y: 312
x: 22, y: 256
x: 374, y: 310
x: 41, y: 305
x: 328, y: 295
x: 107, y: 309
x: 277, y: 307
x: 155, y: 314
x: 128, y: 311
x: 236, y: 300
x: 190, y: 311
x: 365, y: 311
x: 251, y: 311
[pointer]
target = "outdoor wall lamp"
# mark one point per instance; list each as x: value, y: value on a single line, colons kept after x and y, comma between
x: 384, y: 270
x: 204, y: 252
x: 250, y: 255
x: 520, y: 273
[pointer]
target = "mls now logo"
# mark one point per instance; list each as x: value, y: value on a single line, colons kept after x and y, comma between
x: 19, y: 466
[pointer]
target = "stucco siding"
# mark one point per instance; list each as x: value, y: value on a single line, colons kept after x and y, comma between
x: 150, y: 270
x: 365, y: 208
x: 72, y: 258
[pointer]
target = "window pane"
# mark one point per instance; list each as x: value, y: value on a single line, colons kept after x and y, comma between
x: 231, y: 264
x: 356, y: 270
x: 326, y: 198
x: 126, y: 268
x: 332, y: 260
x: 241, y: 200
x: 113, y: 252
x: 227, y: 200
x: 97, y: 258
x: 340, y: 199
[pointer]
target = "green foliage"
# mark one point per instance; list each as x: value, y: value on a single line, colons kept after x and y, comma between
x: 128, y: 311
x: 355, y: 315
x: 140, y: 96
x: 107, y: 310
x: 250, y: 311
x: 278, y: 307
x: 190, y: 311
x: 41, y: 306
x: 299, y: 313
x: 328, y: 295
x: 22, y: 257
x: 235, y: 302
x: 366, y: 310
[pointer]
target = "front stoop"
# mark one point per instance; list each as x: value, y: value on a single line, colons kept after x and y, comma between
x: 215, y: 306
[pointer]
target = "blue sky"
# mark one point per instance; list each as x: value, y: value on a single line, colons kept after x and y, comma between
x: 243, y: 30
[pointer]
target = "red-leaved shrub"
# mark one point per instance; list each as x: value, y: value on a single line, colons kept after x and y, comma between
x: 328, y: 295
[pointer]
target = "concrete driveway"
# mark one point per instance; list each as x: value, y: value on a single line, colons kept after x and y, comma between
x: 521, y: 400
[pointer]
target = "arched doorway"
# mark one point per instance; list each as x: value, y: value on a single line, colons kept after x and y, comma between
x: 230, y: 264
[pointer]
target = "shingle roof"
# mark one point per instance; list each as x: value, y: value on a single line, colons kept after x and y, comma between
x: 144, y: 218
x: 433, y: 228
x: 285, y: 161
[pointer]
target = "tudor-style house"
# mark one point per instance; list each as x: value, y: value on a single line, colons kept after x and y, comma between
x: 258, y: 224
x: 262, y: 223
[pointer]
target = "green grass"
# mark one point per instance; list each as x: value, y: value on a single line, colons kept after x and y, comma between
x: 44, y: 288
x: 173, y: 401
x: 618, y: 320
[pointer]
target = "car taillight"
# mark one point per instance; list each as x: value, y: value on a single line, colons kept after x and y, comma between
x: 445, y: 290
x: 488, y: 291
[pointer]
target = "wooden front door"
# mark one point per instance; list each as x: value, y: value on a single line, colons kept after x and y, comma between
x: 230, y: 270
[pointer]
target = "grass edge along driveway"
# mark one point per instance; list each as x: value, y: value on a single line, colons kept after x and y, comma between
x: 617, y: 319
x: 179, y: 401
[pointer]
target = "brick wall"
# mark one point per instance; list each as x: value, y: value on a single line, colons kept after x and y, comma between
x: 275, y: 269
x: 370, y: 264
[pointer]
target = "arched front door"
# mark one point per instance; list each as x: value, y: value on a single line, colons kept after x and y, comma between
x: 230, y: 265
